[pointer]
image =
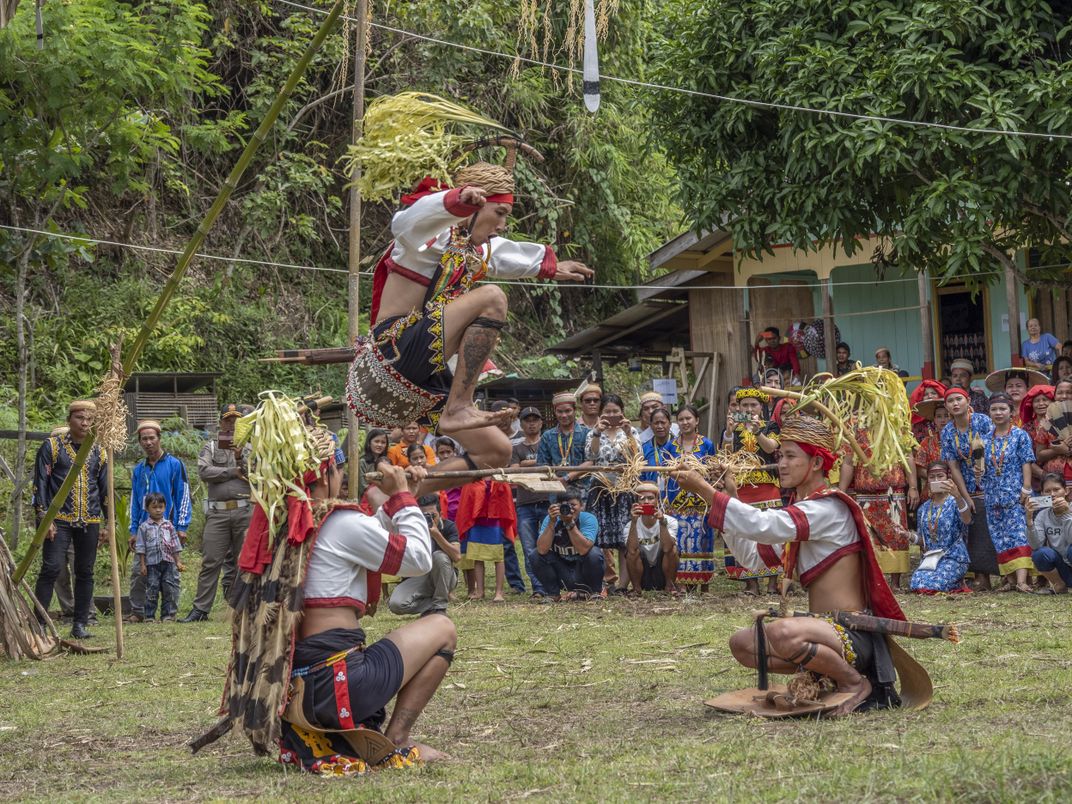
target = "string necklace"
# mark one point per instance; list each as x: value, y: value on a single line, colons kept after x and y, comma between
x: 564, y: 451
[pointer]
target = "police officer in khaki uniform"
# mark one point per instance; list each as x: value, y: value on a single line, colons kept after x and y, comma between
x: 222, y: 468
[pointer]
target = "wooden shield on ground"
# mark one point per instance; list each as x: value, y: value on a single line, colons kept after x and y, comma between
x: 368, y: 744
x: 754, y: 701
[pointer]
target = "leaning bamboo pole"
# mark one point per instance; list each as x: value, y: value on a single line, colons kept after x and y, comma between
x: 188, y: 254
x: 113, y: 554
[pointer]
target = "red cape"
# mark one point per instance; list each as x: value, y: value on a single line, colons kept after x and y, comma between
x: 877, y: 592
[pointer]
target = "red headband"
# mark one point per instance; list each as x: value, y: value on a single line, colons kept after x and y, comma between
x: 428, y: 185
x: 812, y: 450
x: 956, y: 389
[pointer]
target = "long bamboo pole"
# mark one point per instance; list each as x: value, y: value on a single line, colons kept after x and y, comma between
x: 354, y: 255
x: 113, y: 554
x: 187, y: 257
x: 552, y: 472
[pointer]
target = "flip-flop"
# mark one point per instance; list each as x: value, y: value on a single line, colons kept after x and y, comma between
x: 1023, y: 587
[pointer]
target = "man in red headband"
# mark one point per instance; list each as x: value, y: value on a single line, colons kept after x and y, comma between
x: 433, y: 329
x: 826, y: 546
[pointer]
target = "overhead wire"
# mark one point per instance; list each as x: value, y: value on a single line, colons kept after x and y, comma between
x: 790, y: 107
x: 523, y: 282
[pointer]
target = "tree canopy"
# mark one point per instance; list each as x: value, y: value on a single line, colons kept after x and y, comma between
x: 956, y: 203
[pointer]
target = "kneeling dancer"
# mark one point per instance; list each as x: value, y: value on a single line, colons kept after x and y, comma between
x: 301, y: 678
x: 827, y: 547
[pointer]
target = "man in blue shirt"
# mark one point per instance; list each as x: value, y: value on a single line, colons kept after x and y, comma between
x: 563, y: 445
x: 566, y: 555
x: 165, y: 474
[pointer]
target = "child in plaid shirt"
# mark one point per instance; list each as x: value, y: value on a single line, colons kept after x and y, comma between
x: 157, y: 545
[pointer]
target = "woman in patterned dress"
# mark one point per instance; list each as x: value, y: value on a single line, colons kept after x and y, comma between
x: 1037, y: 426
x: 940, y: 526
x: 885, y: 501
x: 926, y: 391
x: 1006, y: 481
x: 695, y: 539
x: 935, y: 414
x: 757, y: 487
x: 611, y: 441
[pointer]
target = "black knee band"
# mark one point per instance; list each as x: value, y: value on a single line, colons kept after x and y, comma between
x: 806, y: 654
x: 446, y: 654
x: 761, y: 655
x: 488, y: 323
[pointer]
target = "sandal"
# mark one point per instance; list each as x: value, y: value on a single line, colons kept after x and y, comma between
x: 1025, y: 588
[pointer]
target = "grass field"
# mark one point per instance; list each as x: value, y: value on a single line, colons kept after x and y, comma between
x: 599, y: 701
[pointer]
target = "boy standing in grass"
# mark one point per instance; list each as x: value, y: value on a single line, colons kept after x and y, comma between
x: 157, y: 546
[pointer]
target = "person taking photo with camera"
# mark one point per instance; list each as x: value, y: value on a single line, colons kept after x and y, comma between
x: 430, y: 593
x: 566, y: 555
x: 651, y: 544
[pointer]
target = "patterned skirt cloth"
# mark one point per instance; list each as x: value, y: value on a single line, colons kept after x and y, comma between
x: 695, y: 545
x: 885, y: 512
x: 613, y: 515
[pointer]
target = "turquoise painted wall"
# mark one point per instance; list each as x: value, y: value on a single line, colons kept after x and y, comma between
x: 856, y: 290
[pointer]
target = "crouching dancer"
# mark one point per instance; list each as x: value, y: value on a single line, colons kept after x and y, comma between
x: 309, y: 589
x: 828, y: 549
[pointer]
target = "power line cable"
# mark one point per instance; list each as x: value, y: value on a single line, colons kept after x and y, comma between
x: 789, y: 107
x: 525, y: 282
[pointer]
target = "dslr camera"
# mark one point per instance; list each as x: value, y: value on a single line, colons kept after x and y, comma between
x: 566, y: 508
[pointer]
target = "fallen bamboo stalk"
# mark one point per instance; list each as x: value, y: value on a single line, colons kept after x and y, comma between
x: 551, y: 472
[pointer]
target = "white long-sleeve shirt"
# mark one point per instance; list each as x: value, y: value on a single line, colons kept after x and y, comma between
x: 351, y: 544
x: 823, y: 526
x: 422, y: 234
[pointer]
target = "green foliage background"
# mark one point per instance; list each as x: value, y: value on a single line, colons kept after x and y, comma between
x: 189, y: 81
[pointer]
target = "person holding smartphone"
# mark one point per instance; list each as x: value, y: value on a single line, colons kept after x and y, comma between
x: 651, y: 544
x: 1050, y: 535
x: 940, y: 523
x: 567, y: 559
x: 611, y: 441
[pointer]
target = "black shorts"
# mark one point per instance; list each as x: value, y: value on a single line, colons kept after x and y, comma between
x: 653, y: 579
x: 373, y: 678
x: 414, y: 348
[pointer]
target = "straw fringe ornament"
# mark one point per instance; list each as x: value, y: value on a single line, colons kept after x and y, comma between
x: 405, y: 138
x: 111, y: 417
x: 871, y: 397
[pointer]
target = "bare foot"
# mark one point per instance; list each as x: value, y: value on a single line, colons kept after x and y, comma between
x: 429, y: 754
x: 860, y: 690
x: 498, y: 599
x: 454, y: 420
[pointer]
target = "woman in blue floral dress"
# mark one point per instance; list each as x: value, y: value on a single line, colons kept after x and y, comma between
x: 940, y: 526
x: 1006, y: 483
x: 695, y: 539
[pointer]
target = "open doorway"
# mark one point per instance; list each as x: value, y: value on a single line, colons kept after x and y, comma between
x: 963, y: 327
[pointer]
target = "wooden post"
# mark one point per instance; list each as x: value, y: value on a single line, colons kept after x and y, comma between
x: 353, y: 262
x: 927, y: 333
x: 113, y: 554
x: 829, y: 340
x: 1012, y: 300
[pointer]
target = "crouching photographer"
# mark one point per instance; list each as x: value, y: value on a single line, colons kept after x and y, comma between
x: 428, y: 594
x: 566, y: 555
